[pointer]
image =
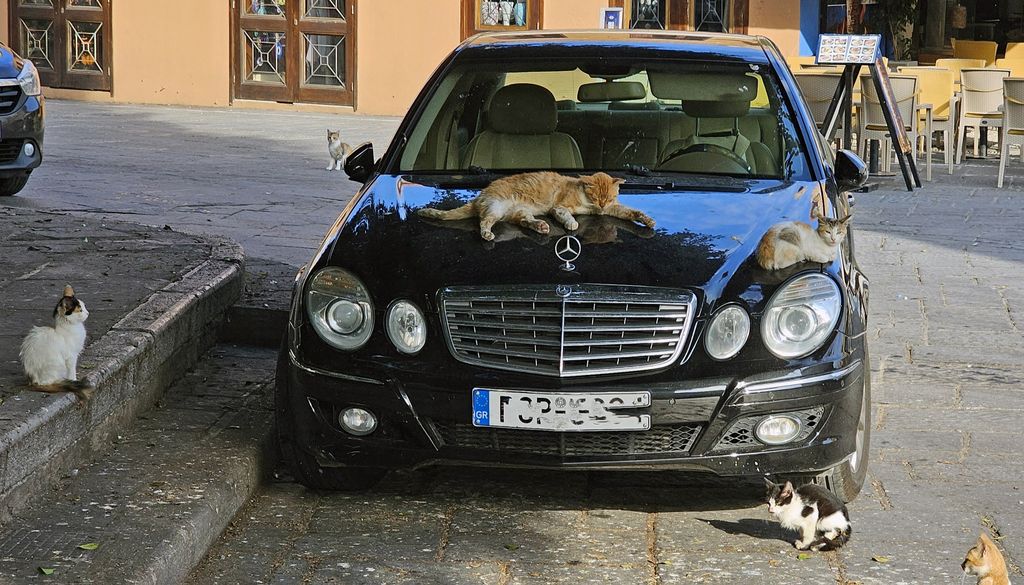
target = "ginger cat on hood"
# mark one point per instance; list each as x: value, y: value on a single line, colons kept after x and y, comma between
x: 985, y: 561
x: 519, y: 199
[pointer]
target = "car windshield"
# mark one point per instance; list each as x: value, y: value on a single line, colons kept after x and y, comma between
x: 678, y: 116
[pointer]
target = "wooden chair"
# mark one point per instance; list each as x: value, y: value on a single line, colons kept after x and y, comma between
x: 1013, y: 121
x: 981, y: 95
x: 935, y: 87
x: 985, y: 50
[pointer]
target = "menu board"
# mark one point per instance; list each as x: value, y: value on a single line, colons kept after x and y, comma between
x: 848, y: 49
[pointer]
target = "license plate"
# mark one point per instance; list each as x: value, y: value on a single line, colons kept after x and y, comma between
x: 560, y: 411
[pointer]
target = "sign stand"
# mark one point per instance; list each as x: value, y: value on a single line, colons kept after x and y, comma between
x: 855, y: 51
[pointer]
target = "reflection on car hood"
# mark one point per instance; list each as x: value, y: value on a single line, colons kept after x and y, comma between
x: 10, y: 66
x: 702, y: 238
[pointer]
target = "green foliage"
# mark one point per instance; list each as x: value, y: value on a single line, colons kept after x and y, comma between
x: 892, y: 17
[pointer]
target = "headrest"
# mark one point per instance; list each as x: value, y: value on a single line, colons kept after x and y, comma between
x: 706, y: 95
x: 522, y: 108
x: 611, y: 91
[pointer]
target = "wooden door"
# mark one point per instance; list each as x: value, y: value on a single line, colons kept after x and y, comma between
x: 294, y: 50
x: 69, y: 41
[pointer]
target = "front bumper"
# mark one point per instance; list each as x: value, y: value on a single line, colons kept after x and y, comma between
x: 422, y: 425
x: 24, y: 124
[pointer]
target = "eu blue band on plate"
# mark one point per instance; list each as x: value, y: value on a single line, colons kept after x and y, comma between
x: 481, y: 408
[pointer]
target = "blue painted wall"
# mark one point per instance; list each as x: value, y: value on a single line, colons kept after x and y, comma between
x: 810, y: 22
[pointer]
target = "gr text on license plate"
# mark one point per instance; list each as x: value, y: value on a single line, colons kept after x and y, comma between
x: 561, y: 411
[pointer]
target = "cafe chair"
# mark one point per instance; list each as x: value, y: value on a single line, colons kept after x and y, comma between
x: 872, y: 118
x: 985, y: 50
x: 1013, y: 121
x: 981, y: 102
x: 935, y: 87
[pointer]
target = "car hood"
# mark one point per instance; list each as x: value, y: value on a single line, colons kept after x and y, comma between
x: 10, y: 64
x: 705, y: 233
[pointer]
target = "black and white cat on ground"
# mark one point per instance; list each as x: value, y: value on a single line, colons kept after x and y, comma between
x: 50, y: 354
x: 821, y: 517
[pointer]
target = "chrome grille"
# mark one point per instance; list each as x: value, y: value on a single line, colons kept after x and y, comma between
x: 10, y: 95
x: 661, y: 439
x: 594, y: 329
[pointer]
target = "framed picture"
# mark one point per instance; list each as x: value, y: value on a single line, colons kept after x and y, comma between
x: 611, y: 18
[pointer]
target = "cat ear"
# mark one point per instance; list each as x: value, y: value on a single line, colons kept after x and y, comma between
x: 982, y: 544
x: 618, y: 181
x: 769, y: 483
x: 846, y: 219
x: 68, y: 291
x: 788, y: 488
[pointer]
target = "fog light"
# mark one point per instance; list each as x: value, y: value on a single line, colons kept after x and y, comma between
x: 357, y: 421
x: 30, y: 149
x: 778, y: 429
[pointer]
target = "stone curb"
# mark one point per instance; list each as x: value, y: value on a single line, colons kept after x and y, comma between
x: 167, y: 488
x: 130, y: 366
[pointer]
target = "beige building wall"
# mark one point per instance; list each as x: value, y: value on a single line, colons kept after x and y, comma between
x: 778, y: 20
x: 5, y: 19
x: 400, y: 43
x: 573, y: 13
x: 171, y: 52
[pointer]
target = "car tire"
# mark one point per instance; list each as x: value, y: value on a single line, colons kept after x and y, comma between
x: 302, y: 464
x: 12, y: 185
x: 846, y: 479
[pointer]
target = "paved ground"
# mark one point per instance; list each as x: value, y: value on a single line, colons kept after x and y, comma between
x: 947, y: 291
x: 947, y: 298
x: 258, y: 178
x: 113, y: 266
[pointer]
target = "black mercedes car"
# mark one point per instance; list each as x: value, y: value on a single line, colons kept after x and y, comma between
x: 414, y: 342
x: 21, y: 121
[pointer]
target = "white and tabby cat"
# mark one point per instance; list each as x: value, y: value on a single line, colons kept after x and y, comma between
x: 790, y: 242
x: 50, y: 354
x: 338, y: 150
x: 820, y: 516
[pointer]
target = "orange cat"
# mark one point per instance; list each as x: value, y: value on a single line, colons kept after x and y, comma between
x: 521, y: 198
x: 985, y: 561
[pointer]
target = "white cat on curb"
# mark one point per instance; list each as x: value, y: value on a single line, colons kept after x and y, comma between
x: 339, y: 150
x: 50, y: 354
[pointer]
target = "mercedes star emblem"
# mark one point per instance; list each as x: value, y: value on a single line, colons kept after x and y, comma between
x: 563, y: 290
x: 568, y: 248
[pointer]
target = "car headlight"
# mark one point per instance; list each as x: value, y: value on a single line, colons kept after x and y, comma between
x: 340, y: 309
x: 29, y: 79
x: 727, y: 332
x: 801, y: 315
x: 406, y: 327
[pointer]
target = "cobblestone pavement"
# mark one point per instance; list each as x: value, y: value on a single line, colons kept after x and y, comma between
x: 947, y: 291
x: 258, y: 178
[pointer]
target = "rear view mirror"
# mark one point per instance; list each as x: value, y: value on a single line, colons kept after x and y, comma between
x: 850, y: 171
x: 359, y: 163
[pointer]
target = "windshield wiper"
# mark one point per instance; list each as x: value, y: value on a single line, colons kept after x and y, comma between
x: 639, y: 170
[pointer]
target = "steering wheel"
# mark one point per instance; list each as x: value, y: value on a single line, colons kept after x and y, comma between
x: 712, y: 149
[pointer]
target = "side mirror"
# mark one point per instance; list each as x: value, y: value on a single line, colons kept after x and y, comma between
x: 359, y: 163
x: 850, y: 172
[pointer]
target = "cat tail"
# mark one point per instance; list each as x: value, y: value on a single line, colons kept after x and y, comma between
x: 82, y: 389
x: 826, y: 544
x: 766, y: 250
x: 466, y: 211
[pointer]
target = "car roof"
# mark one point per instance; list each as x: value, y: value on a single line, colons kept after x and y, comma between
x: 749, y: 48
